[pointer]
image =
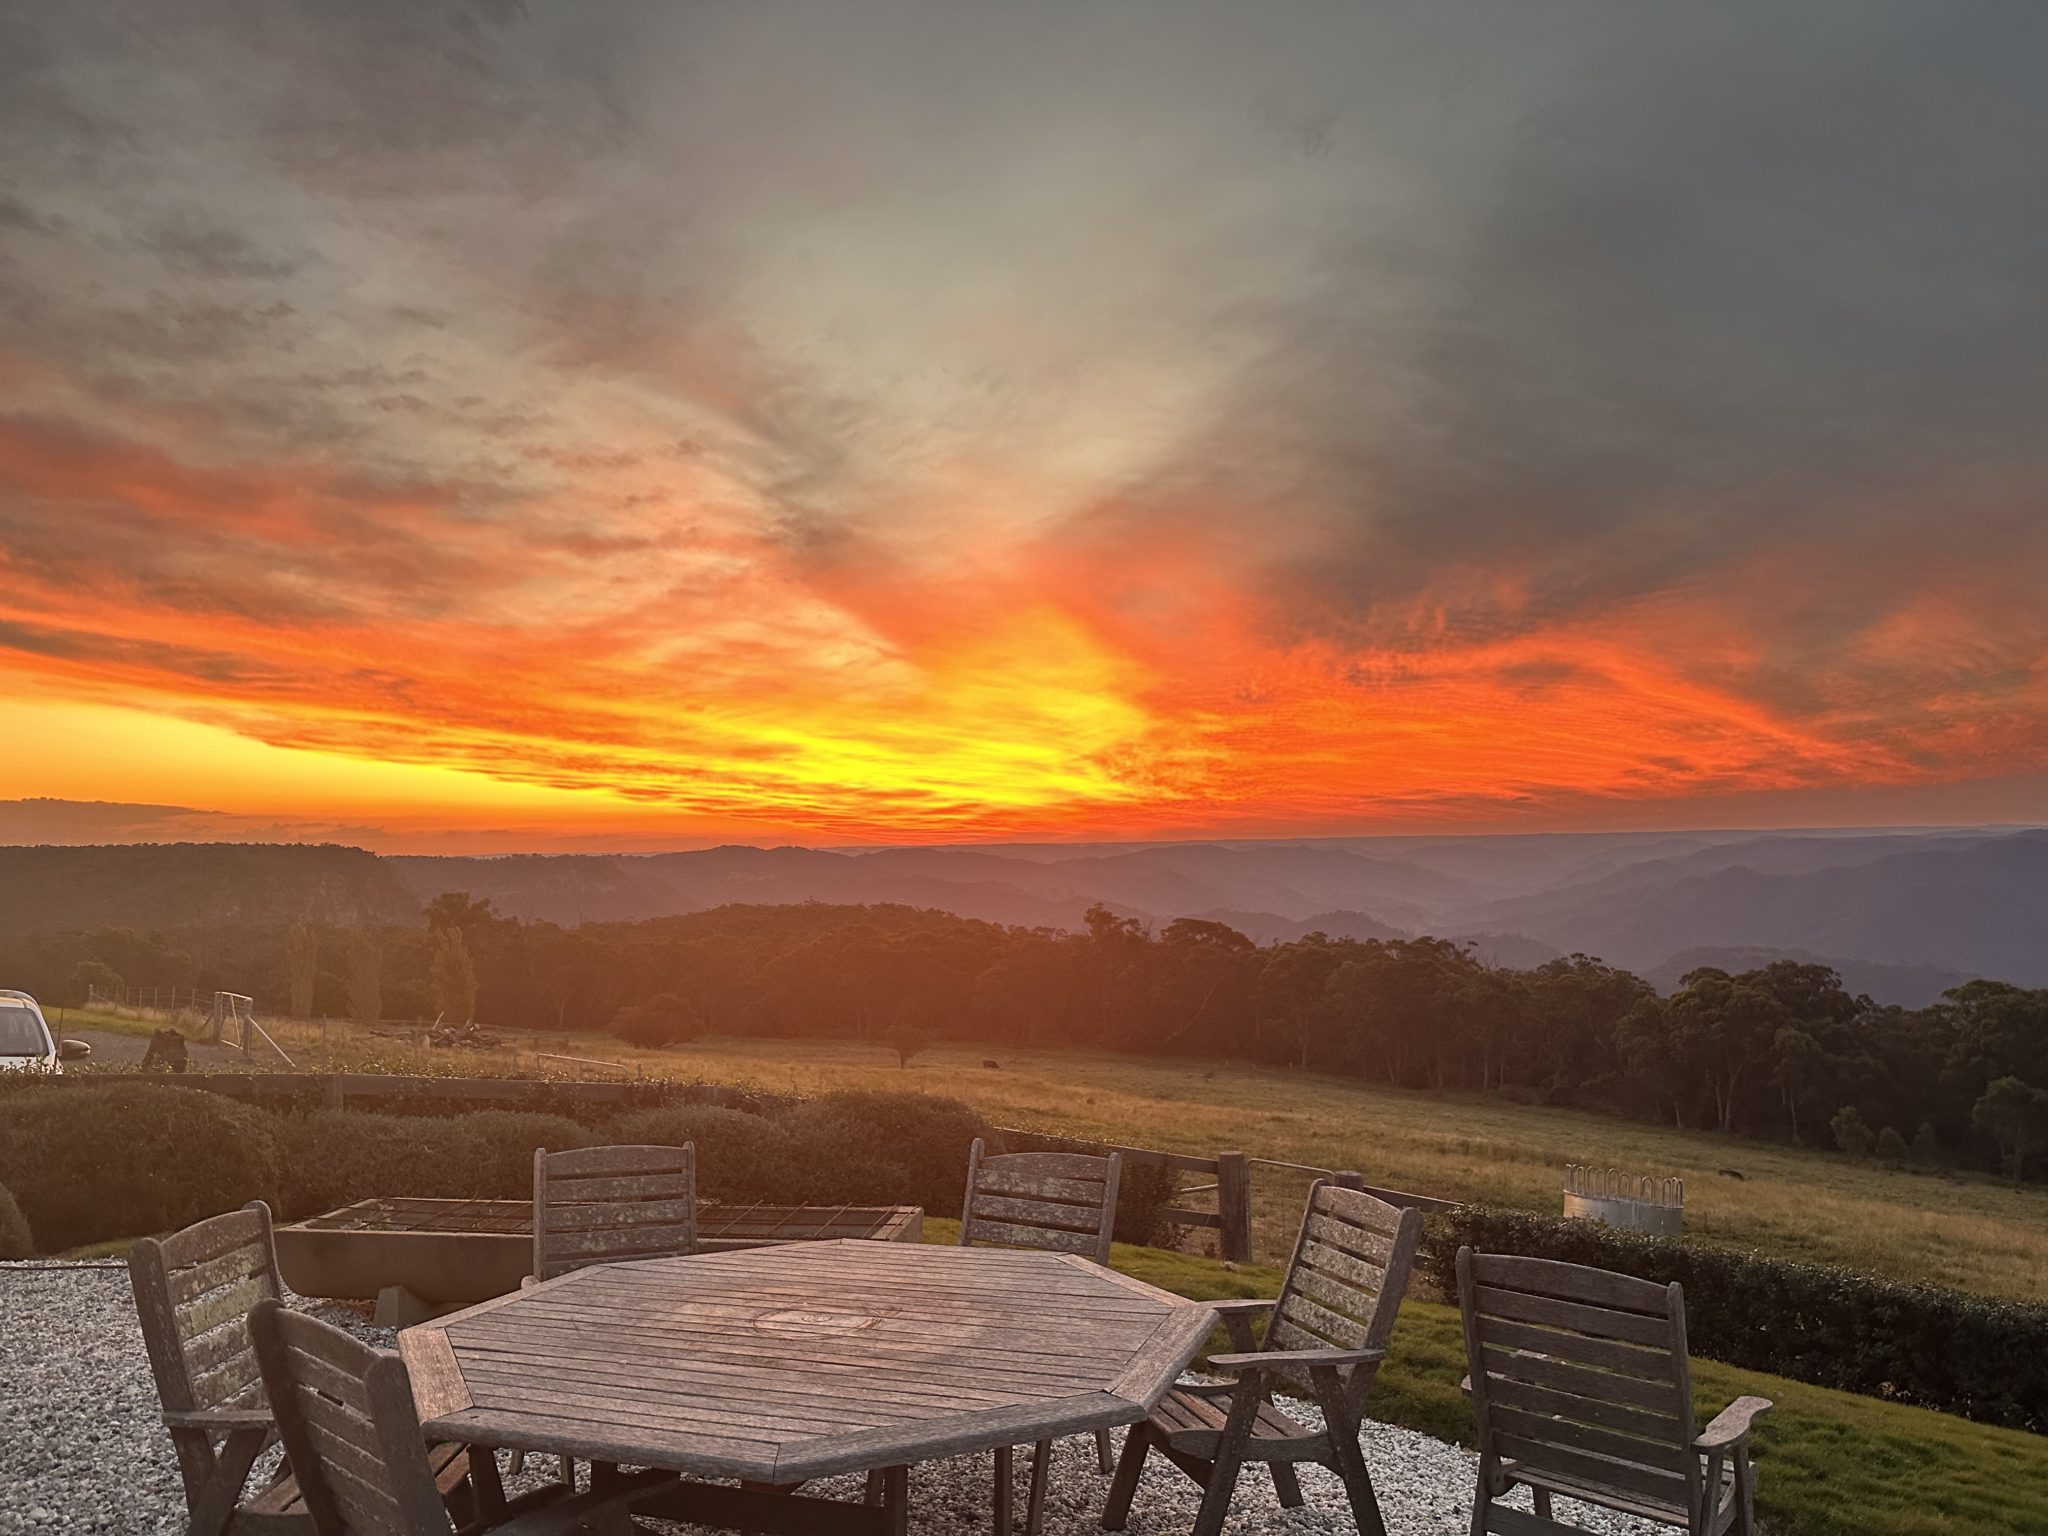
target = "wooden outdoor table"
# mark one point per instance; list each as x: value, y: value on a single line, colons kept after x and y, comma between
x: 777, y: 1365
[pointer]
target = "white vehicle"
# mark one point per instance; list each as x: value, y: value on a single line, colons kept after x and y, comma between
x: 25, y: 1041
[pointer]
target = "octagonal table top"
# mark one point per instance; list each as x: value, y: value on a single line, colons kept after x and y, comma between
x: 786, y: 1363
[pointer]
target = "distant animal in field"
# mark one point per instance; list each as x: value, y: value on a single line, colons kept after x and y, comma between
x: 996, y: 1064
x: 166, y: 1052
x: 1729, y: 1173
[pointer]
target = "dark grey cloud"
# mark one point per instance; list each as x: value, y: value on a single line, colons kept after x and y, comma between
x: 197, y: 246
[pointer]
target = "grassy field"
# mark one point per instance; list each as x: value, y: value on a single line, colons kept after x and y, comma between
x: 1969, y: 1231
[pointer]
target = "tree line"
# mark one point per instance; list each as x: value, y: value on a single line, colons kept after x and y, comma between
x: 1781, y: 1051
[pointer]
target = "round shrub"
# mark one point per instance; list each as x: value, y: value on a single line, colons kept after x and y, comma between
x: 658, y: 1021
x: 88, y: 1163
x: 741, y: 1158
x: 16, y: 1242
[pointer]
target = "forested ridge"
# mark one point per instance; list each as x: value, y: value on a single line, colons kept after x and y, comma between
x: 1780, y: 1051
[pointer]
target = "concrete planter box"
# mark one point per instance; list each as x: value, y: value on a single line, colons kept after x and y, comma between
x: 454, y: 1252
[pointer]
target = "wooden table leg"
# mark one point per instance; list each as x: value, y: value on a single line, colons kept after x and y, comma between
x: 1005, y: 1475
x: 896, y: 1501
x: 489, y: 1484
x: 1034, y: 1505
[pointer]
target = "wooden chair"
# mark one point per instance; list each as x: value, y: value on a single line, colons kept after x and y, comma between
x: 349, y: 1424
x: 1327, y: 1337
x: 1062, y: 1201
x: 598, y: 1205
x: 193, y: 1293
x: 1581, y: 1387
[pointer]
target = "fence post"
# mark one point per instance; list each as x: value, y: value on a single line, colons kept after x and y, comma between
x: 1350, y: 1178
x: 1234, y: 1206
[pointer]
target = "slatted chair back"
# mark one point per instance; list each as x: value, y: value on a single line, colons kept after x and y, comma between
x: 193, y: 1291
x: 1345, y: 1282
x: 1580, y: 1377
x: 345, y: 1412
x: 1062, y: 1201
x: 599, y: 1205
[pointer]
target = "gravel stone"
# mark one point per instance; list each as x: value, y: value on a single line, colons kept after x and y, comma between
x: 82, y: 1452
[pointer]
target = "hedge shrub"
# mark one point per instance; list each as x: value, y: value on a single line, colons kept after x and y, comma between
x: 198, y: 1153
x: 339, y: 1156
x: 740, y: 1157
x: 16, y: 1241
x: 871, y: 1148
x: 1978, y: 1356
x: 133, y: 1158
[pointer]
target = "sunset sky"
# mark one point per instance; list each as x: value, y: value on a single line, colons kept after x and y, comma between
x: 630, y: 425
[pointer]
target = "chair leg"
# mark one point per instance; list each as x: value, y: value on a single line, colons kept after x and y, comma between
x: 1105, y: 1454
x: 214, y: 1510
x: 1217, y: 1495
x: 1116, y: 1509
x: 1541, y: 1498
x: 1365, y: 1503
x: 1034, y: 1504
x: 1005, y: 1474
x: 1286, y: 1485
x: 1745, y: 1493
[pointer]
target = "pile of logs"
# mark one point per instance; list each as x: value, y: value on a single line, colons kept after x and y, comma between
x: 470, y: 1036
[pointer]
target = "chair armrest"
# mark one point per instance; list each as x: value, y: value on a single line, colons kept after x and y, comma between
x: 584, y: 1511
x: 1731, y: 1424
x: 1248, y: 1306
x: 1264, y: 1358
x: 220, y: 1419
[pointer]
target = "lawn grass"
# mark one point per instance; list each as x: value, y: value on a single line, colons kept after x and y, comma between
x: 1971, y: 1231
x: 1829, y: 1463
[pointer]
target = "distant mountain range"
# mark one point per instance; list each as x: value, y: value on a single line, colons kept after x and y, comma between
x: 1903, y: 914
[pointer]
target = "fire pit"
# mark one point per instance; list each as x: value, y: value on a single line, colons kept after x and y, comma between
x: 448, y: 1252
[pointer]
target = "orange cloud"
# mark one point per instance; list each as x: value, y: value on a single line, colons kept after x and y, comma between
x: 1007, y: 686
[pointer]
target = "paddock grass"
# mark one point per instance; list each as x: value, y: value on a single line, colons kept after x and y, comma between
x: 1971, y: 1231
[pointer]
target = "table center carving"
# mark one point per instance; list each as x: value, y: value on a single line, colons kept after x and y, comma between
x: 815, y: 1321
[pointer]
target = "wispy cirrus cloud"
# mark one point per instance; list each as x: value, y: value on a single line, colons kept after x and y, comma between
x: 908, y: 420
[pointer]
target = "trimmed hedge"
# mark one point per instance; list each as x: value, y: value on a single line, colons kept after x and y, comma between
x: 16, y: 1242
x: 739, y: 1156
x: 847, y: 1149
x: 339, y: 1156
x: 93, y: 1177
x: 134, y: 1157
x: 869, y: 1148
x: 1978, y: 1356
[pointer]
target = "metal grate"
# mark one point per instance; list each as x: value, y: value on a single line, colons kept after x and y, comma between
x: 1592, y: 1183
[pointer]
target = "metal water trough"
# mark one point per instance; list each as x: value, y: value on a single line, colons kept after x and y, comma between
x: 1635, y: 1202
x: 459, y: 1251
